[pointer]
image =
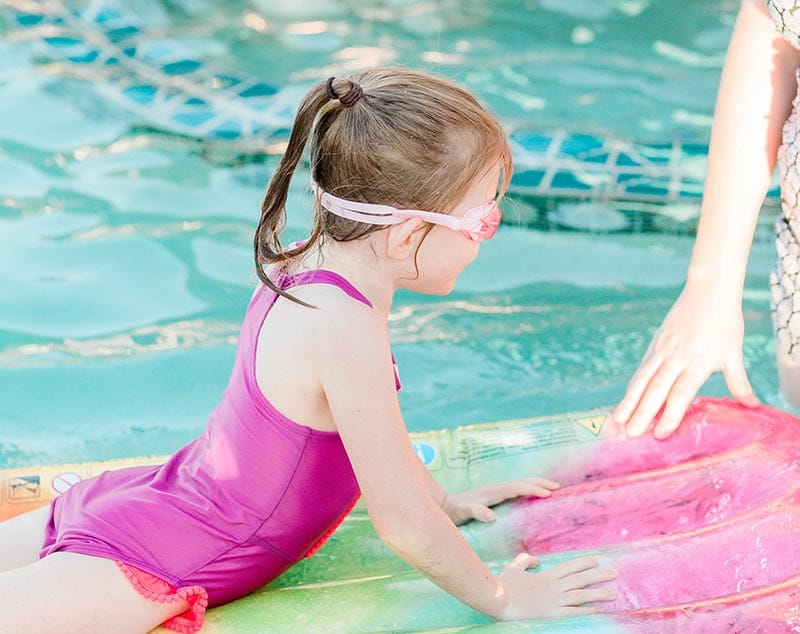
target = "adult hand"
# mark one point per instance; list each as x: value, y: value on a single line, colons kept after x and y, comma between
x: 563, y: 590
x: 474, y: 504
x: 702, y: 333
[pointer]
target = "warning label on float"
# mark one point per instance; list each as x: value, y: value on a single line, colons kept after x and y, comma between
x: 593, y: 423
x: 24, y: 488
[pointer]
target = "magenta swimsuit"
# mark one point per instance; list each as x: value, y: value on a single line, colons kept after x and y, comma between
x: 233, y: 509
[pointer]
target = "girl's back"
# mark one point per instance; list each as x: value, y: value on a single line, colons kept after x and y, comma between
x: 243, y: 490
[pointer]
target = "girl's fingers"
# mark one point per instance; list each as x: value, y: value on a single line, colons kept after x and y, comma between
x: 540, y: 492
x: 481, y: 513
x: 577, y: 611
x: 543, y: 482
x: 524, y: 561
x: 574, y: 566
x: 495, y: 493
x: 586, y: 578
x: 587, y: 595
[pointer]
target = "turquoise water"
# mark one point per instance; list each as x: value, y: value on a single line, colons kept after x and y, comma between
x: 125, y: 261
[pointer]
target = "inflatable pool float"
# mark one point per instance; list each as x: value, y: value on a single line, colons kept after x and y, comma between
x: 704, y: 529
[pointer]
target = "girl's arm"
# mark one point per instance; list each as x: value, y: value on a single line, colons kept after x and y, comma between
x: 354, y: 366
x: 703, y: 331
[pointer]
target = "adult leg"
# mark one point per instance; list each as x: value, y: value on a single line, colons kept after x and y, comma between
x: 21, y: 538
x: 68, y: 592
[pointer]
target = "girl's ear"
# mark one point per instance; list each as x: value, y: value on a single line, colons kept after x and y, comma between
x: 403, y: 239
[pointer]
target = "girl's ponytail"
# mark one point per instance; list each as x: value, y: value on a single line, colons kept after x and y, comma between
x: 266, y: 243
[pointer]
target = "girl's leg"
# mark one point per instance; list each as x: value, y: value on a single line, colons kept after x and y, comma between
x: 67, y: 592
x: 21, y: 538
x: 789, y: 378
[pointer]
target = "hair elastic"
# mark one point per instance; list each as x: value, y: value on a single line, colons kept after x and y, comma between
x: 352, y: 96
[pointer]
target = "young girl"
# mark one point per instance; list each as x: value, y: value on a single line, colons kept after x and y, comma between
x: 310, y: 418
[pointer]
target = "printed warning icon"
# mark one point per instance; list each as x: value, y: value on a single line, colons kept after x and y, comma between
x: 593, y: 423
x: 23, y: 488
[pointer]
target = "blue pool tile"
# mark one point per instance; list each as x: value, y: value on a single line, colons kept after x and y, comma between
x: 689, y: 191
x: 532, y: 142
x: 599, y: 158
x: 228, y: 130
x: 657, y: 153
x: 695, y: 149
x: 86, y: 58
x: 568, y: 180
x: 129, y: 52
x: 579, y: 144
x: 258, y: 90
x: 29, y: 19
x: 279, y: 133
x: 62, y: 42
x: 141, y: 94
x: 193, y: 119
x: 106, y: 15
x: 226, y: 81
x: 627, y: 160
x: 122, y: 33
x: 647, y: 189
x: 182, y: 67
x: 196, y: 101
x: 528, y: 178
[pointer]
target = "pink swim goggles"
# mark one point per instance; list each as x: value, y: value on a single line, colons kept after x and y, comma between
x: 478, y: 223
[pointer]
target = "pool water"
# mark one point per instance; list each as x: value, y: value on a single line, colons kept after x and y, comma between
x: 125, y: 257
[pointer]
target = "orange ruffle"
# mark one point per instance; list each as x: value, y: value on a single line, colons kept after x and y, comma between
x: 318, y: 544
x: 156, y: 589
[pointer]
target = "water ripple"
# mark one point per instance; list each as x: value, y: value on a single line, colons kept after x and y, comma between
x: 148, y: 340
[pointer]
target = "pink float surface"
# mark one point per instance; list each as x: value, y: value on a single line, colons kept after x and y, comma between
x: 704, y: 527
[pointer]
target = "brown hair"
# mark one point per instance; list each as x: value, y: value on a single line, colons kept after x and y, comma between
x: 411, y: 140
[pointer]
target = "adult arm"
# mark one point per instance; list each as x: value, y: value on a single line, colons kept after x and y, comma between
x: 703, y: 332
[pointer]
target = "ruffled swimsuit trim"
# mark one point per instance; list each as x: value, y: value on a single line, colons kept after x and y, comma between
x: 156, y: 589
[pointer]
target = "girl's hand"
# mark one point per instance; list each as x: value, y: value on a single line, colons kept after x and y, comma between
x: 474, y: 504
x: 563, y: 590
x: 702, y: 333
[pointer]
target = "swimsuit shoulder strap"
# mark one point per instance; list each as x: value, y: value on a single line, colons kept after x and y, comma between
x: 323, y: 276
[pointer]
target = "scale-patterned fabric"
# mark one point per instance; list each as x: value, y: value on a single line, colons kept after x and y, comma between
x: 784, y: 282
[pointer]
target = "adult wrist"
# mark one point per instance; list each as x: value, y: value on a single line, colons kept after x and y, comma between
x: 714, y: 284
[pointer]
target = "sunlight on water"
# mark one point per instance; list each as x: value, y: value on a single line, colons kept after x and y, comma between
x: 125, y: 240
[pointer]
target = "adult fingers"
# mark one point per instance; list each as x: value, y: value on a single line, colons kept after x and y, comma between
x: 636, y: 387
x: 739, y: 384
x: 680, y: 397
x: 653, y: 399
